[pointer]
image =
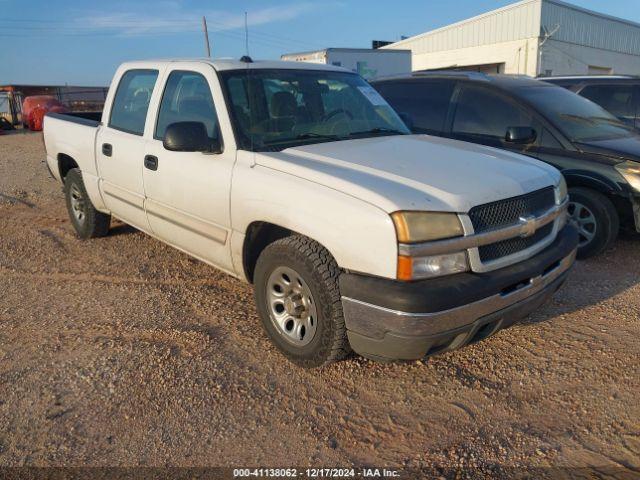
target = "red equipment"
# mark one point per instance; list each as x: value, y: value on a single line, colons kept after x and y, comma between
x: 34, y: 109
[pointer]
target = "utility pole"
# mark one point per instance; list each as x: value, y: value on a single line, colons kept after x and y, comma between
x: 206, y: 36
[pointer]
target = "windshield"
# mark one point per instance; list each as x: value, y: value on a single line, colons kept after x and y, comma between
x: 578, y: 118
x: 277, y: 109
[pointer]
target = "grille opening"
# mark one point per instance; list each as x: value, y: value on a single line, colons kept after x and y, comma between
x: 485, y: 331
x: 508, y: 212
x: 550, y: 268
x: 513, y: 245
x: 436, y: 349
x: 440, y: 345
x: 515, y: 287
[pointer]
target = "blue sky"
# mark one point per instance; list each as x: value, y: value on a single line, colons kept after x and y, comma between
x: 82, y: 42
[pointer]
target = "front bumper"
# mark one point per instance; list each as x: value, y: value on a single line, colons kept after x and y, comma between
x: 389, y: 320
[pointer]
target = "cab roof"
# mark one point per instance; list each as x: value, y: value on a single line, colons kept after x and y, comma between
x: 224, y: 64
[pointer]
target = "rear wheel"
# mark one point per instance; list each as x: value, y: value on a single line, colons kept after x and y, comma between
x: 596, y: 219
x: 87, y: 221
x: 298, y: 299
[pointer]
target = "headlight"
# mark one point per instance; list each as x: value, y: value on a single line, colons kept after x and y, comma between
x: 631, y: 173
x: 416, y: 268
x: 561, y: 191
x: 416, y: 227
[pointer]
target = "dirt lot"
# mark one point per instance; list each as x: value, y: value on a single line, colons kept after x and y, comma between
x: 123, y: 351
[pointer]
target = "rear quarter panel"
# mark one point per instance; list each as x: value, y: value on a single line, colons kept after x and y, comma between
x: 62, y: 137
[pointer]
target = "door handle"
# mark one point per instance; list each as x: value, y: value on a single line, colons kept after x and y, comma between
x: 107, y: 149
x: 151, y: 162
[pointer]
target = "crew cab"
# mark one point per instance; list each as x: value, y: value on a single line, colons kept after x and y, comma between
x: 598, y: 155
x: 300, y: 179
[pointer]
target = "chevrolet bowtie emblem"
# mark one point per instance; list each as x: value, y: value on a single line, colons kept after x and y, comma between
x: 528, y: 224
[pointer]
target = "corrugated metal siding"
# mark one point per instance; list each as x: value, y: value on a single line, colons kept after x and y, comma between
x: 514, y: 22
x: 590, y: 30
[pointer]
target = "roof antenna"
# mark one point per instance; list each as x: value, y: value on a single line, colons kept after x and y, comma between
x: 246, y: 58
x: 206, y: 36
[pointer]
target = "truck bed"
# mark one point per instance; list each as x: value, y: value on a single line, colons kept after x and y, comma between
x: 90, y: 119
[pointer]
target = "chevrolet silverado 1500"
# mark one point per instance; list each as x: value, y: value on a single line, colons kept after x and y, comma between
x: 303, y: 181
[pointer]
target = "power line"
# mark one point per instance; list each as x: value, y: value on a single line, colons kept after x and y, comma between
x: 266, y: 44
x: 174, y: 28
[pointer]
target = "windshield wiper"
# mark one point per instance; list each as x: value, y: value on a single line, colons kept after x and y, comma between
x: 304, y: 136
x: 611, y: 121
x: 577, y: 118
x: 378, y: 131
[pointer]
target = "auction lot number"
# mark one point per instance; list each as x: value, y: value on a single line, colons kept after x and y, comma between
x: 314, y: 473
x: 294, y: 472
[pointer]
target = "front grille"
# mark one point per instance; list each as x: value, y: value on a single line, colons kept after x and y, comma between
x: 507, y: 212
x: 504, y: 213
x: 513, y: 245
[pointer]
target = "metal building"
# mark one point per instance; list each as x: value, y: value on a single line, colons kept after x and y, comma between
x: 532, y: 37
x: 368, y: 62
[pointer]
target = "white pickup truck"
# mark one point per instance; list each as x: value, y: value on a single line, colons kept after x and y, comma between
x: 300, y: 179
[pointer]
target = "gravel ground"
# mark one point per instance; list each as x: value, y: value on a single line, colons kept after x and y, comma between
x: 123, y: 351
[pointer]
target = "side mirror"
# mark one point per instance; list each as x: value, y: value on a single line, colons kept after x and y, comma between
x: 520, y: 135
x: 189, y: 137
x: 406, y: 118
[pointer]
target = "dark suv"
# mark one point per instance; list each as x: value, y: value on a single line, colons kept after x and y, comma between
x: 598, y: 155
x: 619, y: 95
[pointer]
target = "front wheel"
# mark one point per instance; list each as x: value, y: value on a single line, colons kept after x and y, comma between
x: 596, y: 219
x: 87, y: 221
x: 298, y: 300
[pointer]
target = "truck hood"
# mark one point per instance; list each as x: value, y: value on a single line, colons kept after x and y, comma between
x: 414, y: 172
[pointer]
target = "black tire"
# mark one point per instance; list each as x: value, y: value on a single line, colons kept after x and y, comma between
x: 315, y: 266
x: 607, y: 221
x: 6, y: 124
x: 92, y: 223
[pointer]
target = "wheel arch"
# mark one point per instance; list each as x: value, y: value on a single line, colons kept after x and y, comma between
x: 65, y: 163
x: 594, y: 181
x: 259, y: 235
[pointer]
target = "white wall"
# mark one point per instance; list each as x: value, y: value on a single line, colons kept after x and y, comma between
x: 373, y: 64
x: 591, y: 29
x: 519, y: 57
x: 517, y: 21
x: 368, y: 63
x: 570, y: 59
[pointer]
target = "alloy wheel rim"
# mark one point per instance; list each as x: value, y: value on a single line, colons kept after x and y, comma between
x: 292, y: 308
x: 77, y: 204
x: 584, y: 220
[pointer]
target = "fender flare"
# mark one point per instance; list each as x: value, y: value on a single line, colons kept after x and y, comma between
x: 589, y: 179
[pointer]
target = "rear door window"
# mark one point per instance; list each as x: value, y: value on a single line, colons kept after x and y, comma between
x: 131, y: 102
x: 617, y: 99
x: 425, y: 102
